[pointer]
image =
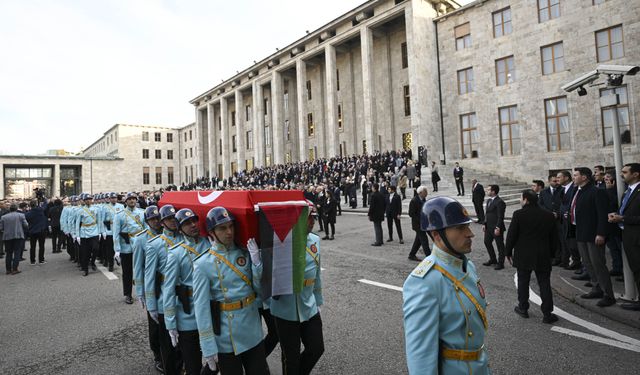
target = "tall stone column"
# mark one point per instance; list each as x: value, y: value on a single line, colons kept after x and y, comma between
x: 199, y: 154
x: 370, y: 132
x: 278, y: 123
x: 240, y: 129
x: 224, y: 119
x: 331, y: 103
x: 301, y: 80
x: 55, y: 186
x: 258, y: 124
x: 210, y: 140
x: 423, y: 78
x: 2, y: 181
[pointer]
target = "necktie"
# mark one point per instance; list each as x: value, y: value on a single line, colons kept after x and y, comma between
x: 625, y: 200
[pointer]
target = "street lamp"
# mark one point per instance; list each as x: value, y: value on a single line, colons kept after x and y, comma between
x: 614, y: 77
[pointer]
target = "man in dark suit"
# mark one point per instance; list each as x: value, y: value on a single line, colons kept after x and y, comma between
x: 588, y: 212
x: 534, y: 237
x: 37, y: 231
x: 415, y: 207
x: 550, y: 199
x: 458, y: 175
x: 376, y: 213
x: 393, y: 212
x: 570, y: 256
x: 494, y: 227
x: 13, y: 225
x: 477, y: 197
x: 628, y: 219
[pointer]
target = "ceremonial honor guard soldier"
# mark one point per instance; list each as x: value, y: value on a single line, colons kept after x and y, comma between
x: 226, y: 283
x: 297, y: 316
x: 88, y: 231
x: 109, y: 211
x: 127, y: 223
x: 444, y: 303
x: 179, y: 314
x: 65, y: 217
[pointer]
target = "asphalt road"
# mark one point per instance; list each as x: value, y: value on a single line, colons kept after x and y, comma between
x: 54, y: 321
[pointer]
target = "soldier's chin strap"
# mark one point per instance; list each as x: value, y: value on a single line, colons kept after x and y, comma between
x: 456, y: 253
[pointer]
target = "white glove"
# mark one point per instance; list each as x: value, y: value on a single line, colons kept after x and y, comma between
x: 143, y: 303
x: 78, y: 240
x: 154, y: 316
x: 318, y: 309
x: 174, y: 337
x: 117, y: 257
x: 254, y: 251
x: 104, y: 235
x: 212, y: 362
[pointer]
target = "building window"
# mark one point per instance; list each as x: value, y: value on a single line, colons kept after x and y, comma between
x: 502, y: 22
x: 469, y: 135
x: 310, y: 126
x: 145, y: 136
x: 340, y: 117
x: 505, y: 71
x: 233, y: 143
x: 463, y: 36
x: 247, y: 113
x: 158, y: 175
x: 158, y: 137
x: 509, y: 130
x: 557, y: 120
x: 220, y: 146
x: 170, y: 154
x: 286, y: 101
x: 249, y: 140
x: 609, y: 116
x: 185, y: 153
x: 405, y: 55
x: 158, y: 154
x: 190, y: 134
x: 609, y: 43
x: 337, y: 80
x: 364, y: 146
x: 267, y: 135
x: 465, y: 81
x: 407, y: 101
x: 308, y: 90
x: 267, y: 160
x: 266, y: 107
x: 249, y: 164
x: 185, y: 136
x: 145, y: 153
x: 552, y: 58
x: 190, y: 152
x: 170, y: 175
x: 287, y: 131
x: 219, y: 124
x: 145, y: 175
x: 548, y: 10
x: 233, y: 118
x: 191, y: 174
x: 169, y: 137
x: 312, y: 154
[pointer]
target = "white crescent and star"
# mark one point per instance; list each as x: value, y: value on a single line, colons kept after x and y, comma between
x: 209, y: 198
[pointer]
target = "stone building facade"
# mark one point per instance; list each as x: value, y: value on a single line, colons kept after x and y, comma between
x: 478, y: 84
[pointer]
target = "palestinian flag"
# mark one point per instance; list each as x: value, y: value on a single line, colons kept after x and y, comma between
x: 283, y: 238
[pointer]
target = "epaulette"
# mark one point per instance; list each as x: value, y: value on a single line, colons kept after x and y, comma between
x: 203, y: 253
x: 176, y: 245
x: 140, y: 233
x: 422, y: 268
x: 154, y: 237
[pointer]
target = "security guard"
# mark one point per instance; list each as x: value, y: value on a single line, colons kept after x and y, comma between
x: 297, y: 316
x: 109, y: 210
x: 88, y: 230
x: 226, y: 281
x: 126, y: 224
x: 179, y: 314
x: 155, y: 262
x: 444, y: 304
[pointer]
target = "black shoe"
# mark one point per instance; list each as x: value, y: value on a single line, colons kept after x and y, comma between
x: 401, y: 242
x: 633, y: 306
x: 592, y: 295
x: 556, y: 262
x: 93, y: 267
x: 489, y: 263
x: 606, y: 301
x: 389, y: 239
x: 325, y: 237
x: 575, y: 266
x: 85, y: 273
x: 588, y: 284
x: 110, y: 268
x: 615, y: 273
x: 579, y: 271
x: 521, y: 312
x: 413, y: 257
x: 128, y: 300
x: 582, y: 277
x: 499, y: 266
x: 376, y: 244
x: 550, y: 319
x: 331, y: 238
x: 158, y: 366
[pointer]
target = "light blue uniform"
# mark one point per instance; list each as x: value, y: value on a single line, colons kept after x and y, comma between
x: 108, y: 212
x: 155, y: 260
x: 213, y: 279
x: 139, y: 245
x: 130, y: 222
x: 179, y: 271
x: 300, y: 307
x: 87, y: 223
x: 438, y: 315
x: 64, y: 217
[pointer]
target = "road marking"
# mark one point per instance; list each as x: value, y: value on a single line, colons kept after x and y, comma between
x: 381, y: 285
x: 599, y: 339
x: 109, y: 275
x: 573, y: 286
x: 581, y: 322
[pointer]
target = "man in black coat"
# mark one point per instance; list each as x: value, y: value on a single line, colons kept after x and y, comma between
x: 628, y: 218
x: 550, y: 198
x: 415, y: 207
x: 458, y: 175
x: 477, y: 197
x: 393, y: 212
x: 568, y: 236
x: 532, y: 239
x: 588, y: 212
x: 494, y: 227
x: 376, y: 213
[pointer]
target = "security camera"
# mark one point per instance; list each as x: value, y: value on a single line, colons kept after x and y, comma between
x: 628, y: 70
x: 581, y: 81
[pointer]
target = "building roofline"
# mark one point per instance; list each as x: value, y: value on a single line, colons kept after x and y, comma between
x: 460, y: 9
x: 67, y: 157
